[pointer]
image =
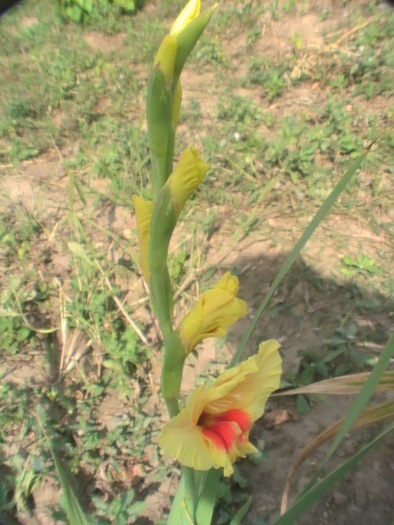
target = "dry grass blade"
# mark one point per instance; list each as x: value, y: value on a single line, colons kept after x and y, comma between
x: 343, y: 385
x: 368, y: 417
x: 121, y: 308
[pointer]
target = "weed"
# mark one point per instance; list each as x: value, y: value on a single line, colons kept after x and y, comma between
x: 271, y: 78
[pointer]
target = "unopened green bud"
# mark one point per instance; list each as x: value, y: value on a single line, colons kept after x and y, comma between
x: 158, y: 116
x: 188, y: 13
x: 176, y: 108
x: 180, y: 185
x: 187, y: 39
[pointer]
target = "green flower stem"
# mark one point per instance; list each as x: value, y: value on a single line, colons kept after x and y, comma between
x: 171, y: 376
x: 162, y: 225
x: 162, y: 301
x: 158, y: 117
x: 159, y: 172
x: 170, y: 153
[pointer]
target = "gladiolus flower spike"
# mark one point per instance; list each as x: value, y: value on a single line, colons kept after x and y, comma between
x: 212, y: 431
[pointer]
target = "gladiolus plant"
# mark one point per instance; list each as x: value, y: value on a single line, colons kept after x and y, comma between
x: 211, y: 430
x: 207, y: 432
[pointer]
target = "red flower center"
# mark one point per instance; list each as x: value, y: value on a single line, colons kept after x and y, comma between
x: 225, y: 429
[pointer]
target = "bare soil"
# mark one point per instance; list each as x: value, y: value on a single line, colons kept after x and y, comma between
x: 304, y: 314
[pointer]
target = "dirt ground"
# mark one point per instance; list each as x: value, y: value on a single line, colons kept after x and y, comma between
x: 304, y: 314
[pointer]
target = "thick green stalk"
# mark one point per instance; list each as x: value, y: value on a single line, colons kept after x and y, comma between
x: 159, y: 172
x: 171, y: 375
x: 170, y: 152
x: 158, y: 117
x: 162, y: 225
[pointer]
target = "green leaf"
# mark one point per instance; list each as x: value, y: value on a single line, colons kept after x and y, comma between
x: 177, y: 513
x: 363, y: 398
x: 361, y: 401
x: 75, y: 514
x: 236, y: 520
x: 128, y: 5
x: 208, y: 498
x: 288, y: 263
x: 302, y: 405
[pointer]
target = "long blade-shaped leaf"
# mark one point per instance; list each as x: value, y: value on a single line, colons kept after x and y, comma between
x: 328, y: 482
x: 178, y: 514
x: 364, y: 396
x: 309, y: 231
x: 207, y: 501
x: 359, y: 404
x: 368, y: 417
x: 75, y: 514
x: 237, y: 519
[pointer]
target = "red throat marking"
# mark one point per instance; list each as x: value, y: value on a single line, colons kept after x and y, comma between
x: 225, y: 429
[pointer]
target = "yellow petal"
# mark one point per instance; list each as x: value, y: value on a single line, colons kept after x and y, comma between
x: 183, y: 440
x: 143, y: 213
x: 229, y: 283
x: 197, y: 436
x: 165, y: 57
x: 217, y: 309
x: 249, y: 385
x: 189, y: 12
x: 186, y: 177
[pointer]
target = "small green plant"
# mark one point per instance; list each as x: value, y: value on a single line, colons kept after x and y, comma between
x: 361, y: 265
x: 78, y: 10
x: 120, y: 510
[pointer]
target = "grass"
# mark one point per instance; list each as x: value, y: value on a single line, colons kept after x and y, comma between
x: 278, y: 125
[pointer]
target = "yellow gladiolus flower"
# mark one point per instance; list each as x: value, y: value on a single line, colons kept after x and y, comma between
x: 212, y: 431
x: 188, y: 13
x: 217, y: 309
x: 186, y: 177
x: 143, y: 213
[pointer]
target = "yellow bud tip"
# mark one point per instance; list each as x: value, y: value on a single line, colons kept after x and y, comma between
x: 189, y: 13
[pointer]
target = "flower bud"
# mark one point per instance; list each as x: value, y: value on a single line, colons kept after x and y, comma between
x: 189, y: 13
x: 217, y: 309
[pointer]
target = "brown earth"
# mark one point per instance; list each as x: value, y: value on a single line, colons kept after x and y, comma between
x: 303, y: 314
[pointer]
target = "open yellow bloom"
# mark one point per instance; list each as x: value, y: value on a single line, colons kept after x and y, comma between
x: 217, y: 309
x: 143, y: 213
x: 188, y: 13
x: 212, y: 431
x: 186, y: 178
